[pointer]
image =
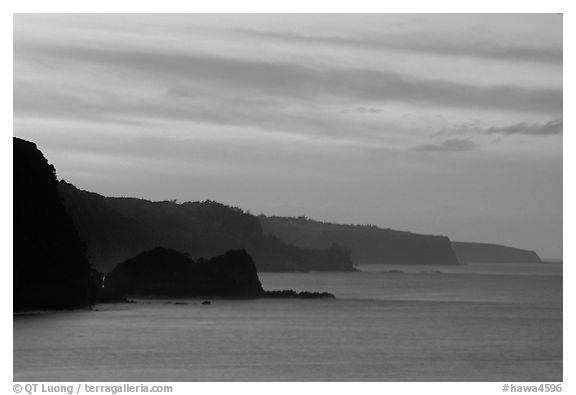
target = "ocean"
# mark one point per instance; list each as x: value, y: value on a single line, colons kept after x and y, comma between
x: 481, y: 322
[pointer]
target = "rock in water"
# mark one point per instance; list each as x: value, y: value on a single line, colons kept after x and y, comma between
x: 166, y: 272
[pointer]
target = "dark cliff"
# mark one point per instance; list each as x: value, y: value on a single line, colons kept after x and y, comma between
x: 367, y: 244
x: 166, y: 272
x: 51, y: 270
x: 492, y: 253
x: 163, y: 272
x: 115, y: 229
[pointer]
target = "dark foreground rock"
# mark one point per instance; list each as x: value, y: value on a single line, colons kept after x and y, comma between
x: 166, y: 272
x: 163, y: 272
x: 50, y: 267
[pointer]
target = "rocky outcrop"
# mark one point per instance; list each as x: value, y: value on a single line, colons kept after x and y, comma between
x: 166, y: 272
x: 367, y: 244
x: 163, y: 272
x: 492, y: 253
x: 50, y: 267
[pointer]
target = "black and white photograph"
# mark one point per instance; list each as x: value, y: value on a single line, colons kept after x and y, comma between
x: 288, y: 197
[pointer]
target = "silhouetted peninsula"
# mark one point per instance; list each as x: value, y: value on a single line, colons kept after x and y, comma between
x: 51, y: 270
x: 163, y: 272
x: 492, y: 253
x: 115, y: 229
x: 367, y: 244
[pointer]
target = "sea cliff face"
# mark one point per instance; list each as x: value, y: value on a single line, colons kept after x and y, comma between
x: 51, y: 270
x: 116, y: 229
x: 367, y: 244
x: 494, y: 253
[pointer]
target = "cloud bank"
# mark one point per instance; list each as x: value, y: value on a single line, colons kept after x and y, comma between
x: 330, y: 116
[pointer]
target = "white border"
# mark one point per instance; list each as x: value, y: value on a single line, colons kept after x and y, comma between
x: 248, y: 6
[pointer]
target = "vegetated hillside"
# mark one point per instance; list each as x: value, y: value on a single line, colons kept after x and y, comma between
x: 118, y: 228
x: 483, y: 252
x: 367, y: 244
x: 51, y: 270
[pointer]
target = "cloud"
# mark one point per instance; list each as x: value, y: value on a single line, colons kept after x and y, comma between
x: 184, y: 112
x: 187, y: 111
x: 450, y: 145
x: 295, y: 81
x: 419, y: 44
x: 550, y: 128
x: 362, y: 110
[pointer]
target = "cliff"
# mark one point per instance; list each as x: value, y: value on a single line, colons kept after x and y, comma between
x: 51, y: 270
x: 482, y: 252
x: 117, y: 228
x: 367, y: 244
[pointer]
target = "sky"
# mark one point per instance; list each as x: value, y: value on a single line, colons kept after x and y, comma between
x: 433, y: 123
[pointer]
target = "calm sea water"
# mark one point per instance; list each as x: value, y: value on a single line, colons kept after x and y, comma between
x: 468, y: 323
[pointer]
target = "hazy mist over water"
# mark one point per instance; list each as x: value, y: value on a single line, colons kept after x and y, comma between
x: 470, y: 323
